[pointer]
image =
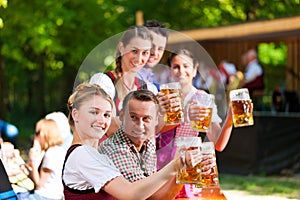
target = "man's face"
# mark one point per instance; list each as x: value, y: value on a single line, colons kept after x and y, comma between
x: 158, y: 47
x: 139, y: 120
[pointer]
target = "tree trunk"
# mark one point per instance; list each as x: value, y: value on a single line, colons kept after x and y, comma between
x: 3, y: 93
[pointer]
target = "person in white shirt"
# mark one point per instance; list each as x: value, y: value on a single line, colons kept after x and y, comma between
x: 254, y: 74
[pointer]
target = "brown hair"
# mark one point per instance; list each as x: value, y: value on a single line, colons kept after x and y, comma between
x: 141, y: 95
x: 82, y: 93
x: 157, y: 27
x: 49, y: 133
x: 129, y: 34
x: 184, y: 52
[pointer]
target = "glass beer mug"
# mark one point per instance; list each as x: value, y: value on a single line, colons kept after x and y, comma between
x: 211, y: 179
x: 189, y: 175
x: 174, y: 117
x: 201, y: 100
x: 241, y: 107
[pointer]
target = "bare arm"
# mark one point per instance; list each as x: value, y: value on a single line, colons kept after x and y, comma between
x: 168, y: 191
x: 143, y: 188
x: 163, y: 180
x: 43, y: 177
x: 35, y: 159
x: 222, y: 139
x: 38, y: 178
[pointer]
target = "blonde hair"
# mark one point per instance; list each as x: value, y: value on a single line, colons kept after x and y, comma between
x: 82, y: 93
x: 61, y: 121
x: 49, y: 133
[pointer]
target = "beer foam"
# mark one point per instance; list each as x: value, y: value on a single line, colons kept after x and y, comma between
x: 239, y: 94
x: 188, y: 141
x: 207, y: 147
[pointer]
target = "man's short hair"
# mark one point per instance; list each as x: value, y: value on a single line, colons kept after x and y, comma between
x: 141, y: 95
x: 157, y: 27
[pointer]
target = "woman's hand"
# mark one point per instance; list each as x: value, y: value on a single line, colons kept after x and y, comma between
x: 197, y: 113
x: 168, y: 103
x: 35, y: 155
x: 208, y: 162
x: 193, y: 157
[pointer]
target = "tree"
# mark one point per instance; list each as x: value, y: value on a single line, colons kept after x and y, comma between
x: 43, y: 43
x: 3, y: 105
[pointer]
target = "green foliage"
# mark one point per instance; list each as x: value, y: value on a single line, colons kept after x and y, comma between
x: 273, y: 54
x: 273, y: 59
x: 262, y: 185
x: 43, y: 43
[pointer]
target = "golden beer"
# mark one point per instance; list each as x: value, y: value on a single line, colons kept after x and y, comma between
x: 177, y: 116
x: 211, y: 179
x: 241, y: 107
x: 202, y: 125
x: 242, y: 113
x: 189, y: 175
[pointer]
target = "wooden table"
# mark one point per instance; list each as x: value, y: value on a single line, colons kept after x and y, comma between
x: 211, y: 193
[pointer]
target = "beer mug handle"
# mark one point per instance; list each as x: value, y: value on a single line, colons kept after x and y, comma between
x: 188, y: 111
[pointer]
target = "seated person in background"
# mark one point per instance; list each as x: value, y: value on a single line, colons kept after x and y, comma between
x: 226, y: 70
x: 254, y: 75
x: 253, y: 79
x: 45, y: 162
x: 88, y: 174
x: 278, y: 99
x: 63, y: 126
x: 132, y: 148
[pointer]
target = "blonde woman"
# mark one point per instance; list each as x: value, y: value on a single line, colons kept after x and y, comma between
x: 88, y: 174
x: 45, y: 162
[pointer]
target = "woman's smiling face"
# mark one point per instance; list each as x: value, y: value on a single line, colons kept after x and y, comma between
x: 135, y: 54
x: 182, y: 69
x: 93, y: 117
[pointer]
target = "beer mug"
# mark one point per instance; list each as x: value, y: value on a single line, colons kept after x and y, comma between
x: 211, y: 179
x: 189, y: 175
x: 201, y: 100
x: 241, y: 107
x: 175, y: 117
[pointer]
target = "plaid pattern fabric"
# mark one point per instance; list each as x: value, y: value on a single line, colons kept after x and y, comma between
x: 184, y: 130
x: 132, y: 164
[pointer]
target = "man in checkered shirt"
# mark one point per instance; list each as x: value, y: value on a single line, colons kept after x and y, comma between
x: 132, y: 147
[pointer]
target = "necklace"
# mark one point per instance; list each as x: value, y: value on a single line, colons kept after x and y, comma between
x: 126, y: 86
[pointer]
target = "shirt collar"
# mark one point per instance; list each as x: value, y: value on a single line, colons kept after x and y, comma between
x: 123, y: 138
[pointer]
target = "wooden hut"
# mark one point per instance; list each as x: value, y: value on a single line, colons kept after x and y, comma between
x: 232, y: 41
x: 274, y: 137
